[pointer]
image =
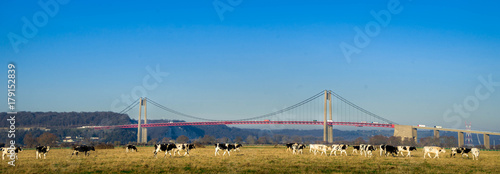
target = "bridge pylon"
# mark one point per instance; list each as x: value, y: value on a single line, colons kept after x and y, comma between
x: 328, y: 129
x: 142, y: 132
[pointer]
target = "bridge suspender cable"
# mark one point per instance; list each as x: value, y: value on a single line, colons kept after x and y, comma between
x: 361, y: 109
x: 176, y: 112
x: 129, y: 107
x: 286, y: 109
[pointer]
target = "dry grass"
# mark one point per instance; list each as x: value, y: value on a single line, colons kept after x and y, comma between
x: 254, y: 159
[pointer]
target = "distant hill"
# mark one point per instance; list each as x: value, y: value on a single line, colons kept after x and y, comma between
x: 65, y: 119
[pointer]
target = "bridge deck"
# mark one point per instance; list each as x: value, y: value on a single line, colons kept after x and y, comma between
x: 457, y: 130
x: 246, y: 123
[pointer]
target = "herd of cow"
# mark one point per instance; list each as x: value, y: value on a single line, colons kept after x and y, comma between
x: 385, y: 150
x: 296, y: 148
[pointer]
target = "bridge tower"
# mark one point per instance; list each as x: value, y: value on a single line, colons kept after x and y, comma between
x: 328, y: 129
x: 142, y: 133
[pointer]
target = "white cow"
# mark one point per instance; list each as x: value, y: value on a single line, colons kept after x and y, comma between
x: 314, y: 148
x: 433, y: 149
x: 323, y: 149
x: 475, y: 153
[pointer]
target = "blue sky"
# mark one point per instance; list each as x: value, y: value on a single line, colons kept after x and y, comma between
x: 261, y: 57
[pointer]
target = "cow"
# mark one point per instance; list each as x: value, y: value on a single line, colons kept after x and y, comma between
x: 185, y: 147
x: 237, y: 146
x: 296, y: 148
x: 339, y: 147
x: 313, y: 147
x: 369, y: 150
x: 167, y: 148
x: 319, y: 148
x: 6, y: 151
x: 391, y: 150
x: 382, y: 149
x: 289, y: 146
x: 362, y: 148
x: 475, y: 153
x: 408, y: 149
x: 355, y: 149
x: 130, y: 147
x: 42, y: 150
x: 460, y: 150
x: 433, y: 149
x: 84, y: 149
x: 225, y: 147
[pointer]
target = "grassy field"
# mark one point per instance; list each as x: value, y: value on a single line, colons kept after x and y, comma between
x: 253, y: 159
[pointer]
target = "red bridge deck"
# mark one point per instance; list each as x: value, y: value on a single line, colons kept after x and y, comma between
x: 247, y: 122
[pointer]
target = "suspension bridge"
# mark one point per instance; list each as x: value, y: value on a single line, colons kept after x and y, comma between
x: 321, y: 109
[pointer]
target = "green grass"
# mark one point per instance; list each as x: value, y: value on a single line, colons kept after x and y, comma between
x: 251, y: 159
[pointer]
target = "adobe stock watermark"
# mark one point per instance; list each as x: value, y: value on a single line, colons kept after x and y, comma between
x: 372, y: 29
x: 222, y: 7
x: 149, y: 83
x: 471, y: 103
x: 50, y: 8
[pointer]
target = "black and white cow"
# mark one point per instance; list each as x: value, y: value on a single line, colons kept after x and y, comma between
x: 340, y: 147
x: 83, y: 149
x: 185, y: 147
x: 355, y: 149
x: 42, y: 150
x: 368, y: 149
x: 391, y: 150
x: 382, y: 149
x: 461, y: 150
x: 289, y: 146
x: 7, y: 151
x: 237, y: 146
x: 225, y: 147
x: 407, y: 149
x: 130, y: 147
x: 167, y: 148
x: 296, y: 148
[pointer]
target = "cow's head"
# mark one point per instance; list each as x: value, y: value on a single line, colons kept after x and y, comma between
x: 442, y: 151
x: 413, y: 148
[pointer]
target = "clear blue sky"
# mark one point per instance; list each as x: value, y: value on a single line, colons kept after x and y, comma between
x: 262, y: 56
